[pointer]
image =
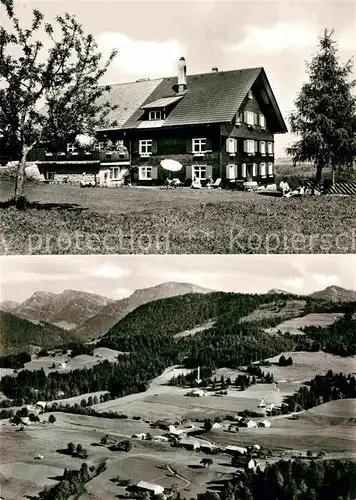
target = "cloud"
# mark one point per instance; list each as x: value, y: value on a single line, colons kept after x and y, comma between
x: 277, y: 38
x: 110, y: 271
x: 297, y: 283
x: 141, y: 57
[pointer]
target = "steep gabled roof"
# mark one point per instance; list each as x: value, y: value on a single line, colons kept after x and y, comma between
x: 213, y: 97
x: 128, y: 97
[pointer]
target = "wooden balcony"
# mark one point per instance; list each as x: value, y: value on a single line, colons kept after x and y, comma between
x: 45, y: 157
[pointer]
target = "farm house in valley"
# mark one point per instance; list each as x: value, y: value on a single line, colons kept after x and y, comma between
x: 219, y: 124
x: 153, y: 489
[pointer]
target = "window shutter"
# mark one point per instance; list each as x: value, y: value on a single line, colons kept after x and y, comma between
x: 189, y: 172
x: 245, y: 117
x: 231, y: 145
x: 254, y: 169
x: 208, y: 144
x: 270, y: 169
x: 154, y: 146
x: 209, y: 171
x: 245, y: 146
x: 256, y: 146
x: 263, y: 169
x: 135, y: 147
x: 231, y: 171
x: 243, y: 170
x: 154, y: 173
x: 189, y: 146
x: 255, y: 118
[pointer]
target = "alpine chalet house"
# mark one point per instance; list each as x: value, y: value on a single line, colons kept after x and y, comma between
x: 219, y: 124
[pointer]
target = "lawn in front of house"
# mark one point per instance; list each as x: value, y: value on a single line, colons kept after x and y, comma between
x: 71, y: 220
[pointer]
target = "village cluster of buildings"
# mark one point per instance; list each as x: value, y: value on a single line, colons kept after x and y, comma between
x: 218, y: 125
x: 185, y: 436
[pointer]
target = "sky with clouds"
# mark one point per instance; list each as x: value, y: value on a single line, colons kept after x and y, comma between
x: 151, y: 36
x: 118, y: 276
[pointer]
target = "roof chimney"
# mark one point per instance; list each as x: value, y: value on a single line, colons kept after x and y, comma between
x: 214, y: 69
x: 182, y: 75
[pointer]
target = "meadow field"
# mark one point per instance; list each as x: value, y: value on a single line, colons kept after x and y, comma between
x: 68, y: 220
x: 23, y: 476
x: 329, y: 428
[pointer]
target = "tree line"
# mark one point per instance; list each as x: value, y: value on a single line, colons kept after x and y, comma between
x: 294, y: 480
x: 322, y: 389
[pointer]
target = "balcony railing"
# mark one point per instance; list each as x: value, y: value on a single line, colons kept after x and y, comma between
x: 41, y: 155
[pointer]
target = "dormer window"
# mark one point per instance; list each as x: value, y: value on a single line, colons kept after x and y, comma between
x: 155, y: 115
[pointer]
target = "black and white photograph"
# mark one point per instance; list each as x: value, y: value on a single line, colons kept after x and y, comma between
x: 178, y: 377
x: 177, y: 250
x: 177, y: 127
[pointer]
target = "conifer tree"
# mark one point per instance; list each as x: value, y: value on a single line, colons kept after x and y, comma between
x: 325, y: 115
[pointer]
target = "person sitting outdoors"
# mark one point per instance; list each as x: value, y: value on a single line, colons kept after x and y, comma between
x: 196, y: 184
x: 300, y: 191
x: 284, y: 187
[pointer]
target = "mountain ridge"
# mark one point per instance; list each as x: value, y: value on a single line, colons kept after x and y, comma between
x: 99, y: 324
x: 66, y: 309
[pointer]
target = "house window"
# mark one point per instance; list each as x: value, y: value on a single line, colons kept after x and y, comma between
x: 71, y: 148
x: 254, y: 169
x: 250, y: 118
x: 270, y: 148
x: 270, y: 169
x: 249, y: 95
x: 262, y: 169
x: 99, y: 146
x: 199, y: 171
x: 262, y: 147
x: 243, y: 170
x: 262, y: 121
x: 154, y: 115
x: 249, y: 146
x: 145, y: 173
x: 145, y: 147
x: 114, y: 172
x: 198, y: 145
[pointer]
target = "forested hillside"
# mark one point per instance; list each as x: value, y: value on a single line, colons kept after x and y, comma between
x: 148, y: 334
x: 294, y: 479
x: 20, y: 335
